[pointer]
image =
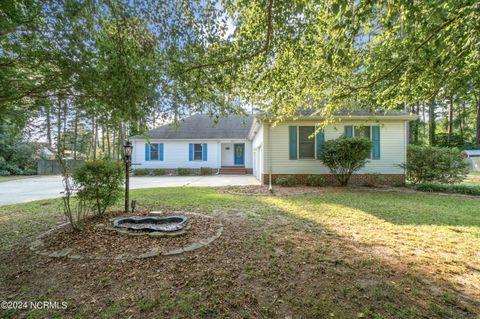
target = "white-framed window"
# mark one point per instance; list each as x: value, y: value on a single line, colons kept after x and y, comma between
x: 197, y: 152
x: 154, y: 152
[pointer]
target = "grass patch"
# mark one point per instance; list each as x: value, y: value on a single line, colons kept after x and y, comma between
x: 336, y: 254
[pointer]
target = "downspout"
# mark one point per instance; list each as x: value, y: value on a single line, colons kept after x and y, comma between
x: 269, y: 160
x: 219, y: 156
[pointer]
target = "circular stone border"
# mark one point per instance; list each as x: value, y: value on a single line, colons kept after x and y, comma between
x: 39, y: 243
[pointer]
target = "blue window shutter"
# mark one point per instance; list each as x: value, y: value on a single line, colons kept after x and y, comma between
x: 376, y: 142
x: 348, y: 130
x: 147, y: 151
x: 160, y: 152
x: 320, y: 138
x: 292, y: 130
x: 205, y: 152
x: 190, y: 152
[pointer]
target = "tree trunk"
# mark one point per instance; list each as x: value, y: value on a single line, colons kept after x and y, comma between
x: 59, y: 128
x: 460, y: 122
x: 431, y: 123
x: 114, y: 141
x: 108, y: 142
x: 49, y: 125
x: 103, y: 139
x: 94, y: 140
x: 477, y: 122
x: 450, y: 122
x: 121, y: 141
x: 424, y: 122
x: 65, y: 114
x: 416, y: 123
x: 75, y: 135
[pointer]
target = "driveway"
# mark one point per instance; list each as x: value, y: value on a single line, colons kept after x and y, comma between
x: 43, y: 187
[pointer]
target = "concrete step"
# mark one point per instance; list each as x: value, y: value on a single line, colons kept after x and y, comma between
x: 233, y: 170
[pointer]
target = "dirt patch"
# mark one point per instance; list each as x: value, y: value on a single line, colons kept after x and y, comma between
x: 95, y: 241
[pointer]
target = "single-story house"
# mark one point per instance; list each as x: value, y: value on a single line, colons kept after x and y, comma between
x: 254, y: 145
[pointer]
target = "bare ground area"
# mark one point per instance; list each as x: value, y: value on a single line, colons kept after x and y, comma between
x: 326, y: 254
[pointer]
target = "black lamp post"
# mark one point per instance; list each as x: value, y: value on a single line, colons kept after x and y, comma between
x: 128, y: 161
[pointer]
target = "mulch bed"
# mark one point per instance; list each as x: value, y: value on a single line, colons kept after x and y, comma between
x: 97, y: 241
x: 262, y: 190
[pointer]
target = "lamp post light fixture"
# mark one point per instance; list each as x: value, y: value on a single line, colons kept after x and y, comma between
x: 128, y: 161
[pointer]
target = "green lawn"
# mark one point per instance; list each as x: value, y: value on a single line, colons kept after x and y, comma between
x: 339, y: 254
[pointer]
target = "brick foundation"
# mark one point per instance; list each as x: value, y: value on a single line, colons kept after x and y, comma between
x: 356, y: 179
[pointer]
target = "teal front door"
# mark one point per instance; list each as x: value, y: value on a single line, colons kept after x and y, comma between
x: 239, y: 157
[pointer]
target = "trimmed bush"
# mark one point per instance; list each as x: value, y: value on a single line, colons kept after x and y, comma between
x: 374, y: 179
x: 99, y: 183
x: 149, y: 172
x: 184, y: 171
x: 288, y: 181
x: 206, y: 171
x: 314, y: 180
x: 157, y: 172
x: 344, y: 156
x: 435, y: 164
x: 141, y: 172
x: 449, y: 188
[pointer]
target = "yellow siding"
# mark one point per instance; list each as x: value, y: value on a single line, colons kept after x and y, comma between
x: 392, y: 148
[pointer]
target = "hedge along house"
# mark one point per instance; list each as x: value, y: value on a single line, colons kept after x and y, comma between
x: 253, y: 145
x: 197, y: 142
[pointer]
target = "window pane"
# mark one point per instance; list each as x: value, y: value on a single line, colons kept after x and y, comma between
x: 154, y: 152
x: 197, y: 152
x: 306, y: 146
x: 362, y: 131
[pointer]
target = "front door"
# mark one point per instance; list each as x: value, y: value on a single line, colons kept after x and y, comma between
x: 239, y: 151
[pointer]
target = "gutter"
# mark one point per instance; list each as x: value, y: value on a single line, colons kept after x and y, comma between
x: 269, y: 161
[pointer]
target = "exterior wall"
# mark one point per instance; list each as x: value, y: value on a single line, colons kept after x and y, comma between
x: 176, y: 154
x: 392, y: 148
x: 258, y: 153
x: 356, y: 179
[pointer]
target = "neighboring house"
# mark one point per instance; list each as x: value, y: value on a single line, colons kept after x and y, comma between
x: 252, y: 144
x: 473, y: 159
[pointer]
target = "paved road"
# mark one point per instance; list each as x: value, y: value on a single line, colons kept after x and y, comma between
x: 25, y: 190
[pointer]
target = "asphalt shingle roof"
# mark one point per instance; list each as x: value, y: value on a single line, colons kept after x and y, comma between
x: 201, y: 126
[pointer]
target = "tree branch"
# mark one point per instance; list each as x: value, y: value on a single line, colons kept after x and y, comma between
x: 265, y: 48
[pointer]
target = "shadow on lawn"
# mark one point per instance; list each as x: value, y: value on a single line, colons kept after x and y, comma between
x: 406, y: 209
x: 399, y: 287
x: 276, y: 258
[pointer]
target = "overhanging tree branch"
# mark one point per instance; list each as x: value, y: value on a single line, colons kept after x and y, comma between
x: 265, y: 48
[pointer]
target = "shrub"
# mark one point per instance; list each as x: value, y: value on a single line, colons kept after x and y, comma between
x: 206, y: 171
x: 344, y: 156
x: 141, y: 172
x: 288, y: 181
x: 435, y: 164
x: 157, y: 172
x: 149, y: 172
x: 99, y: 183
x: 314, y: 180
x: 184, y: 171
x: 449, y: 188
x: 4, y: 172
x: 374, y: 179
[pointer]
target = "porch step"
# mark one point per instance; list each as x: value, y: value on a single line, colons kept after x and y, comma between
x: 233, y: 170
